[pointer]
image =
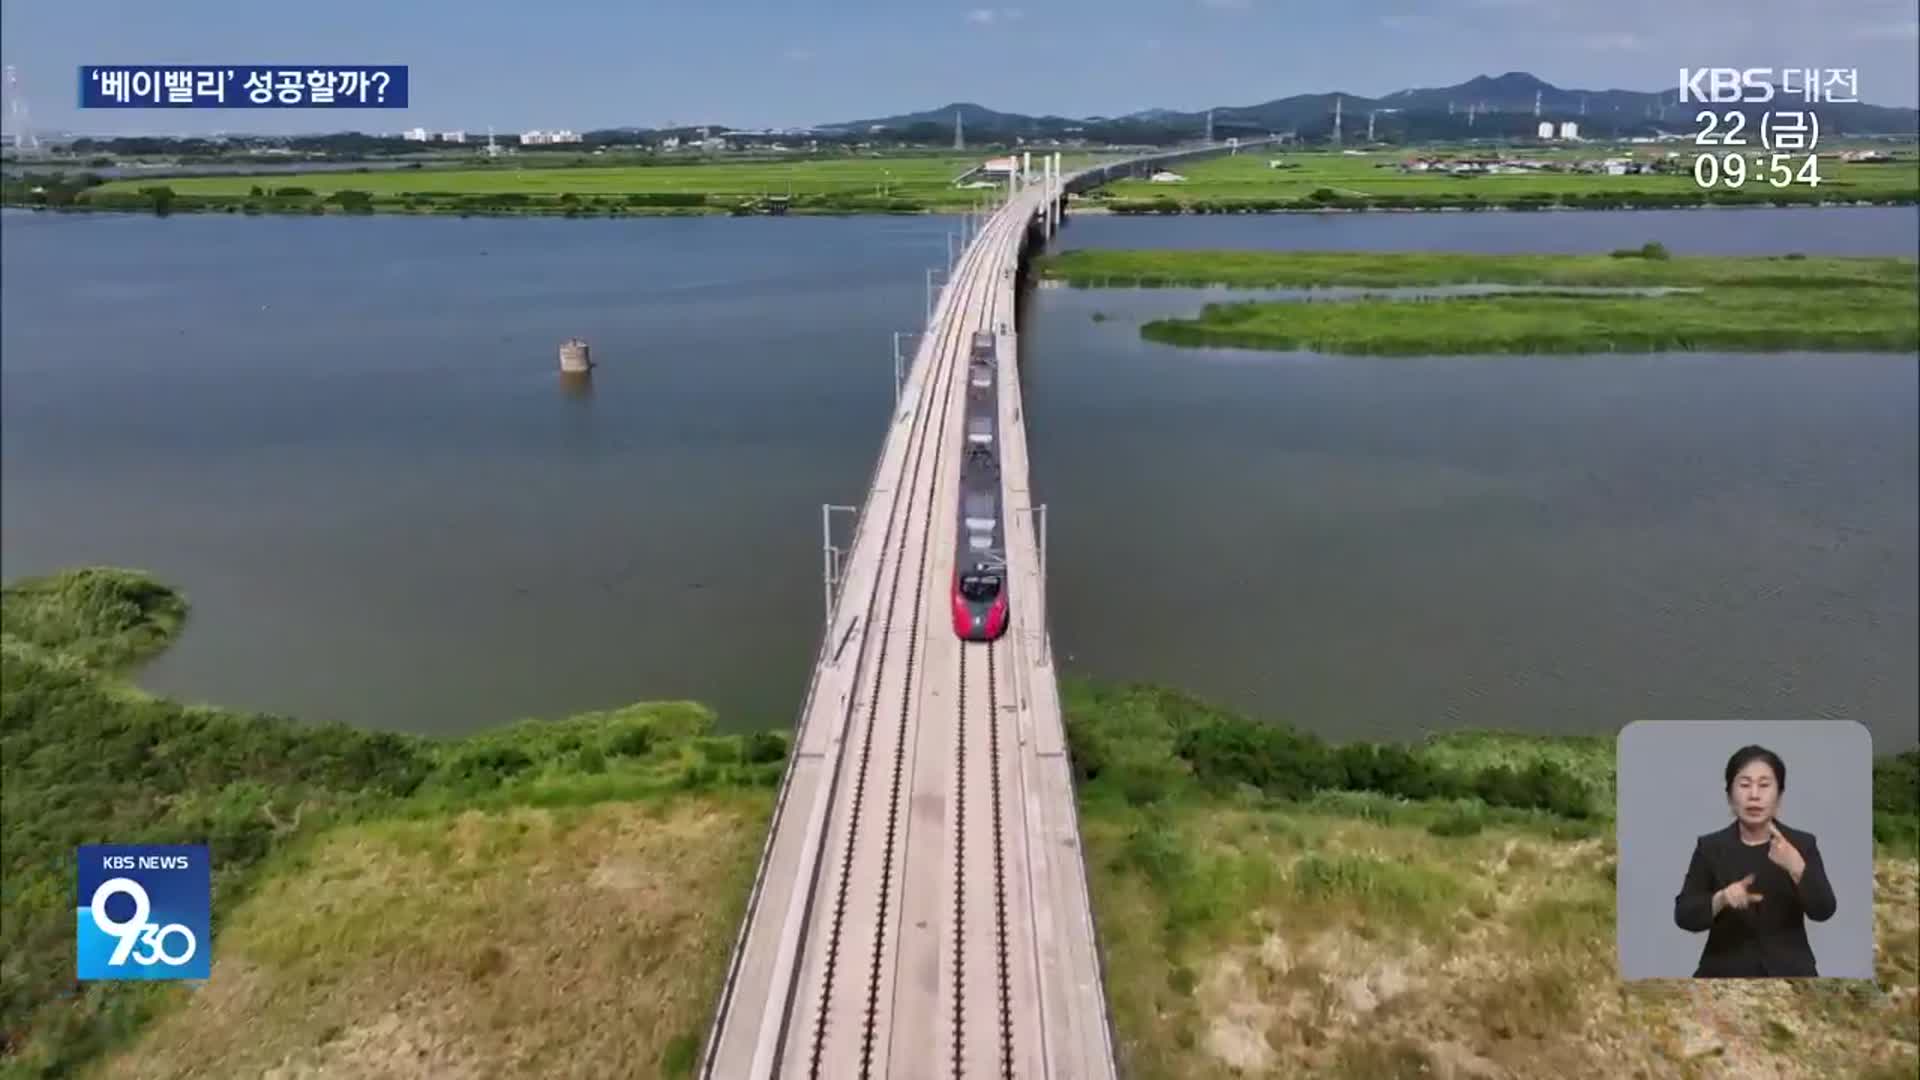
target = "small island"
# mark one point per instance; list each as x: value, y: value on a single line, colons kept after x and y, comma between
x: 1634, y: 300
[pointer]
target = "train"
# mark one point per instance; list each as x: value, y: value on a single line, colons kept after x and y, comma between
x: 980, y: 606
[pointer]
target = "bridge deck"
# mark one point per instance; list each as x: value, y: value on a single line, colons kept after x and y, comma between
x: 921, y: 907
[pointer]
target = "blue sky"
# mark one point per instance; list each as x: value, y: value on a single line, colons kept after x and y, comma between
x: 583, y: 64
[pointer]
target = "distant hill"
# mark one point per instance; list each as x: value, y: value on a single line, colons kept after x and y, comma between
x: 1486, y: 105
x: 972, y: 117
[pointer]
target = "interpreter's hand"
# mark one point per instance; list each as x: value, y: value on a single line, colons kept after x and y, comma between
x: 1737, y: 896
x: 1784, y: 854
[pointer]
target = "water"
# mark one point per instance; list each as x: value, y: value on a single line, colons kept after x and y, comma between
x: 346, y: 440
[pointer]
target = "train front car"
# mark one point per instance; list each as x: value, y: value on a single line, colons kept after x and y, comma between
x: 980, y: 611
x: 980, y: 568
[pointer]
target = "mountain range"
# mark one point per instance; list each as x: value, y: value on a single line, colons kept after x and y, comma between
x: 1485, y: 105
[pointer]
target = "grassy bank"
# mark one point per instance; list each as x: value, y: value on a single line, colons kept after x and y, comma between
x: 1751, y: 304
x: 580, y: 877
x: 1271, y: 905
x: 1246, y: 183
x: 558, y: 898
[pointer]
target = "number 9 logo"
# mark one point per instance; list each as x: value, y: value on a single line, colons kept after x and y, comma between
x: 137, y: 928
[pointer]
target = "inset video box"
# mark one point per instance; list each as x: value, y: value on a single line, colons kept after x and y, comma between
x: 1746, y: 849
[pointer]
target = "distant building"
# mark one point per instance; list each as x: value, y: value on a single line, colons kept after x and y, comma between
x: 416, y: 135
x: 453, y: 136
x: 1546, y: 129
x: 1569, y: 129
x: 1001, y: 166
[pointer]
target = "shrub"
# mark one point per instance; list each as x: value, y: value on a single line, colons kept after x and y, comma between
x: 488, y: 766
x: 720, y: 751
x: 633, y: 742
x: 1147, y: 780
x: 1156, y: 851
x: 1458, y: 823
x: 1541, y: 786
x: 764, y: 747
x: 1896, y: 783
x: 1275, y: 759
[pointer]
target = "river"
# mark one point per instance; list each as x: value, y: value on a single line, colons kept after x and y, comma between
x: 346, y: 440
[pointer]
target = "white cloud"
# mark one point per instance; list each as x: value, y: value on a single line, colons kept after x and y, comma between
x: 989, y: 16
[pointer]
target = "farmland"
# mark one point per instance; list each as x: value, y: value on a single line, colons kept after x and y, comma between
x: 1249, y: 181
x: 624, y: 184
x: 889, y: 184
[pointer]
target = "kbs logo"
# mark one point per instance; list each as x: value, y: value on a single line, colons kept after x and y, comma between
x: 144, y: 912
x: 1726, y: 84
x: 1756, y: 86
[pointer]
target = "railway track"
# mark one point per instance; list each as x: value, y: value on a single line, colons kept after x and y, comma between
x: 980, y: 988
x: 920, y: 907
x: 846, y: 1018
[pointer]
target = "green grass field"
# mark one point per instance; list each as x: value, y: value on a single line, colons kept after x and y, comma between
x: 1257, y: 269
x: 1247, y: 178
x: 1764, y: 304
x: 557, y: 898
x: 925, y: 182
x: 921, y: 177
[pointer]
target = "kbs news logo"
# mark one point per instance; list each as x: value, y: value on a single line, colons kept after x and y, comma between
x: 1754, y: 86
x: 144, y: 912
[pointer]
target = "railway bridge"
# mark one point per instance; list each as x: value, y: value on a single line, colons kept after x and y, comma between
x: 921, y: 907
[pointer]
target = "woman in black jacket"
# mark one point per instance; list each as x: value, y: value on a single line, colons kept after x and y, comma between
x: 1753, y: 884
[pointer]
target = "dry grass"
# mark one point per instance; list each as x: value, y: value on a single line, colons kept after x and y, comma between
x: 571, y: 942
x: 1375, y: 950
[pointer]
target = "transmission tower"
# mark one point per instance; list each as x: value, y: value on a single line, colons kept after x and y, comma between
x: 1209, y: 125
x: 1336, y: 119
x: 959, y: 139
x: 23, y: 136
x: 1536, y: 104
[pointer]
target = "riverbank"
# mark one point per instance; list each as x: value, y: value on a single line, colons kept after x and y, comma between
x: 1286, y: 916
x: 559, y: 896
x: 1776, y: 303
x: 1534, y: 178
x: 852, y: 185
x: 1314, y: 182
x: 529, y: 884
